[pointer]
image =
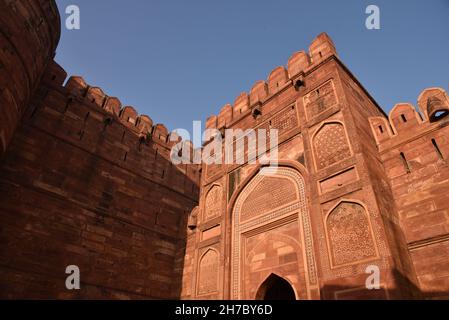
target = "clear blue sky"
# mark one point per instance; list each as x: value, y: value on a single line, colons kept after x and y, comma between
x: 179, y: 61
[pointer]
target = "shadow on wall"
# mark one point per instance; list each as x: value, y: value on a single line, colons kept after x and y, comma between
x: 336, y: 292
x: 82, y: 185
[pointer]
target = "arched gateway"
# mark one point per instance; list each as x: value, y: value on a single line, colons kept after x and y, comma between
x: 271, y: 234
x: 275, y: 288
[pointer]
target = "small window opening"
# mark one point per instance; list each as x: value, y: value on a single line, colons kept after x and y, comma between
x: 404, y: 119
x: 437, y: 149
x: 439, y: 115
x: 381, y: 129
x: 405, y: 162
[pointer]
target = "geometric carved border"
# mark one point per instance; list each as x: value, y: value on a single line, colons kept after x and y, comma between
x: 238, y: 227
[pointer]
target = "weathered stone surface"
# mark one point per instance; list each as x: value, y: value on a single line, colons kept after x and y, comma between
x: 87, y: 182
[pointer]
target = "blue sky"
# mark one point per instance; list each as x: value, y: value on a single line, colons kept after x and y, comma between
x: 179, y: 61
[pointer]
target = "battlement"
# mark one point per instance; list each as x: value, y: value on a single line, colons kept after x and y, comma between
x: 86, y: 117
x: 405, y: 121
x: 280, y: 78
x: 76, y: 88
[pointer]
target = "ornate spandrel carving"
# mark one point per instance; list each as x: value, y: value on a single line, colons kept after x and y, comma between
x: 280, y: 191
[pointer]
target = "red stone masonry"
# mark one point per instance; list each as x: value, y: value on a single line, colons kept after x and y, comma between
x: 86, y: 181
x: 358, y: 206
x: 414, y: 150
x: 29, y: 35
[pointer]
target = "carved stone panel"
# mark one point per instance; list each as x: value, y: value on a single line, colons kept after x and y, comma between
x: 213, y: 203
x: 280, y: 191
x: 350, y: 234
x: 320, y: 99
x: 330, y: 145
x: 208, y: 273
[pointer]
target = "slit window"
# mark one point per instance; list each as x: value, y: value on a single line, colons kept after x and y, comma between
x: 437, y: 149
x: 404, y: 119
x: 405, y: 162
x: 381, y: 129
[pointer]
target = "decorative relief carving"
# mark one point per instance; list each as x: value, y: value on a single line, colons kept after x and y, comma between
x: 283, y: 121
x: 350, y: 235
x: 213, y: 203
x: 331, y: 145
x: 320, y: 99
x: 240, y: 226
x: 280, y: 191
x: 208, y: 273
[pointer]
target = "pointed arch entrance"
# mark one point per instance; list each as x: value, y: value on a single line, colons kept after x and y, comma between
x: 271, y: 233
x: 275, y: 288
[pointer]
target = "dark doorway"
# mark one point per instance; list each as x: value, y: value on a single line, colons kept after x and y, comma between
x: 275, y: 288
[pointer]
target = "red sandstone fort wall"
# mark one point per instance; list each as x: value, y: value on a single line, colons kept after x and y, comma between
x: 414, y: 150
x: 85, y: 182
x: 29, y: 35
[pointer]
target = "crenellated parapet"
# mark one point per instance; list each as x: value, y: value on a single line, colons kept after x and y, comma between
x: 30, y: 32
x: 86, y: 117
x: 278, y: 80
x: 76, y: 88
x: 405, y: 121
